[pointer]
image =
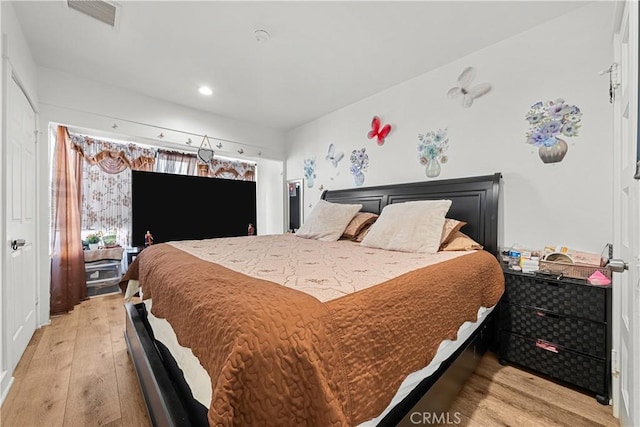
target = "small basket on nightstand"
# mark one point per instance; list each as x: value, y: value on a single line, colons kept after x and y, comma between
x: 576, y: 271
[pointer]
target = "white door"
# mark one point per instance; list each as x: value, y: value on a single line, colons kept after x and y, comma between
x: 626, y: 291
x: 20, y: 196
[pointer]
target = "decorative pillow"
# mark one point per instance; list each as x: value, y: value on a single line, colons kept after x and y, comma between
x: 449, y: 229
x: 409, y: 227
x: 327, y: 221
x: 361, y: 235
x: 358, y: 223
x: 461, y: 242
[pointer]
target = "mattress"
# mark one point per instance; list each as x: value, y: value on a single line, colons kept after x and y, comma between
x: 199, y: 381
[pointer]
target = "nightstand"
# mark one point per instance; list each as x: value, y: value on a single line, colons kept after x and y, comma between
x: 560, y: 328
x: 132, y: 253
x: 103, y: 266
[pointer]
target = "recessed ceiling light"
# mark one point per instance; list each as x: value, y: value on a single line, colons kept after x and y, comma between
x: 204, y: 90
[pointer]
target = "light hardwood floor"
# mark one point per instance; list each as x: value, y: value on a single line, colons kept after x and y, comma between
x: 76, y: 372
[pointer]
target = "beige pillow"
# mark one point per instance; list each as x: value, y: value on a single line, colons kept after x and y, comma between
x: 461, y: 242
x: 409, y: 227
x: 327, y: 221
x: 449, y: 229
x: 358, y: 223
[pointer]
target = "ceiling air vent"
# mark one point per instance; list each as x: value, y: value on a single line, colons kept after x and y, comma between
x: 101, y: 10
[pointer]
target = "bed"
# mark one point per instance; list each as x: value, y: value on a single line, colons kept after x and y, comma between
x: 338, y: 364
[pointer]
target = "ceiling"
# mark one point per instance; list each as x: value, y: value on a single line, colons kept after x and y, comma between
x: 320, y: 56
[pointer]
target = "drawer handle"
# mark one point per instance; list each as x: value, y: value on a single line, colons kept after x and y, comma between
x: 546, y: 346
x: 550, y: 315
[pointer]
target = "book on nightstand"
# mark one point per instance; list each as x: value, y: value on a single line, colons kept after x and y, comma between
x: 529, y: 265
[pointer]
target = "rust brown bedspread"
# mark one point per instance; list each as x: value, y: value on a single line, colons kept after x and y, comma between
x: 278, y: 357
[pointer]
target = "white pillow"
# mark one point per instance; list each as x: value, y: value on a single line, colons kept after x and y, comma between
x: 327, y: 221
x: 409, y: 226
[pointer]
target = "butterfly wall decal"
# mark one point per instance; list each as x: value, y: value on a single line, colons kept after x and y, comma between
x: 331, y: 155
x: 380, y: 133
x: 468, y: 93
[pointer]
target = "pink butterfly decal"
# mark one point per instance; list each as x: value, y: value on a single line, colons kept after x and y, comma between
x: 379, y: 132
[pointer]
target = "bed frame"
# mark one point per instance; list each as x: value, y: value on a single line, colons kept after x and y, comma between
x: 475, y: 200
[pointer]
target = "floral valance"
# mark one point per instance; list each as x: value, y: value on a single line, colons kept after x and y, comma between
x: 113, y: 157
x: 228, y: 169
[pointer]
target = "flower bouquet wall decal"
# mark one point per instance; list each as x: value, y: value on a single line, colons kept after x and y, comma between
x: 548, y: 122
x: 359, y: 163
x: 310, y: 170
x: 432, y: 148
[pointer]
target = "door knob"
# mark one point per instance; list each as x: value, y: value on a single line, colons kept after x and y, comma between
x: 18, y: 243
x: 618, y: 265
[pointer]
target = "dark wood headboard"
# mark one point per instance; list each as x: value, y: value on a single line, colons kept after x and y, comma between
x: 474, y: 200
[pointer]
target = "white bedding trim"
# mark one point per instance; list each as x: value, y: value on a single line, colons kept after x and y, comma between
x: 200, y: 382
x: 194, y: 374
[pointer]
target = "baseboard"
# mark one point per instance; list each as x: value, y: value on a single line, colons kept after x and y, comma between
x: 6, y: 381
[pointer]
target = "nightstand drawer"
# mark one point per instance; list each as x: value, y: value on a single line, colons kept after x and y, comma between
x: 558, y: 296
x: 583, y: 371
x: 576, y: 334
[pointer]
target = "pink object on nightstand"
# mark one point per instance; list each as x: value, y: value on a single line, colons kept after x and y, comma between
x: 598, y: 278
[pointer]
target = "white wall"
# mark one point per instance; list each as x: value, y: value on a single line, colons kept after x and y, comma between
x: 99, y: 106
x: 565, y: 203
x: 73, y: 101
x: 17, y: 50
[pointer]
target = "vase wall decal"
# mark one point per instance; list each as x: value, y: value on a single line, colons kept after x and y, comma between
x: 548, y: 122
x: 359, y: 163
x: 432, y: 151
x: 433, y: 168
x: 310, y: 171
x: 554, y: 153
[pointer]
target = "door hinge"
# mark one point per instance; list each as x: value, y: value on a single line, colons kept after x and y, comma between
x: 615, y: 369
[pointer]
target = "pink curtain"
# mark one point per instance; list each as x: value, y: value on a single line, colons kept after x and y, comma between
x: 68, y: 281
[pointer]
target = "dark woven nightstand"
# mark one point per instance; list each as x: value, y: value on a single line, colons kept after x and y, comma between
x: 560, y: 328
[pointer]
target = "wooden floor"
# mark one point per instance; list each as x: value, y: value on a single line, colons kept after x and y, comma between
x: 497, y: 395
x: 76, y: 372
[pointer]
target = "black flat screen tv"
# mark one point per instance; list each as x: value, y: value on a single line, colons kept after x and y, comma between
x: 183, y: 207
